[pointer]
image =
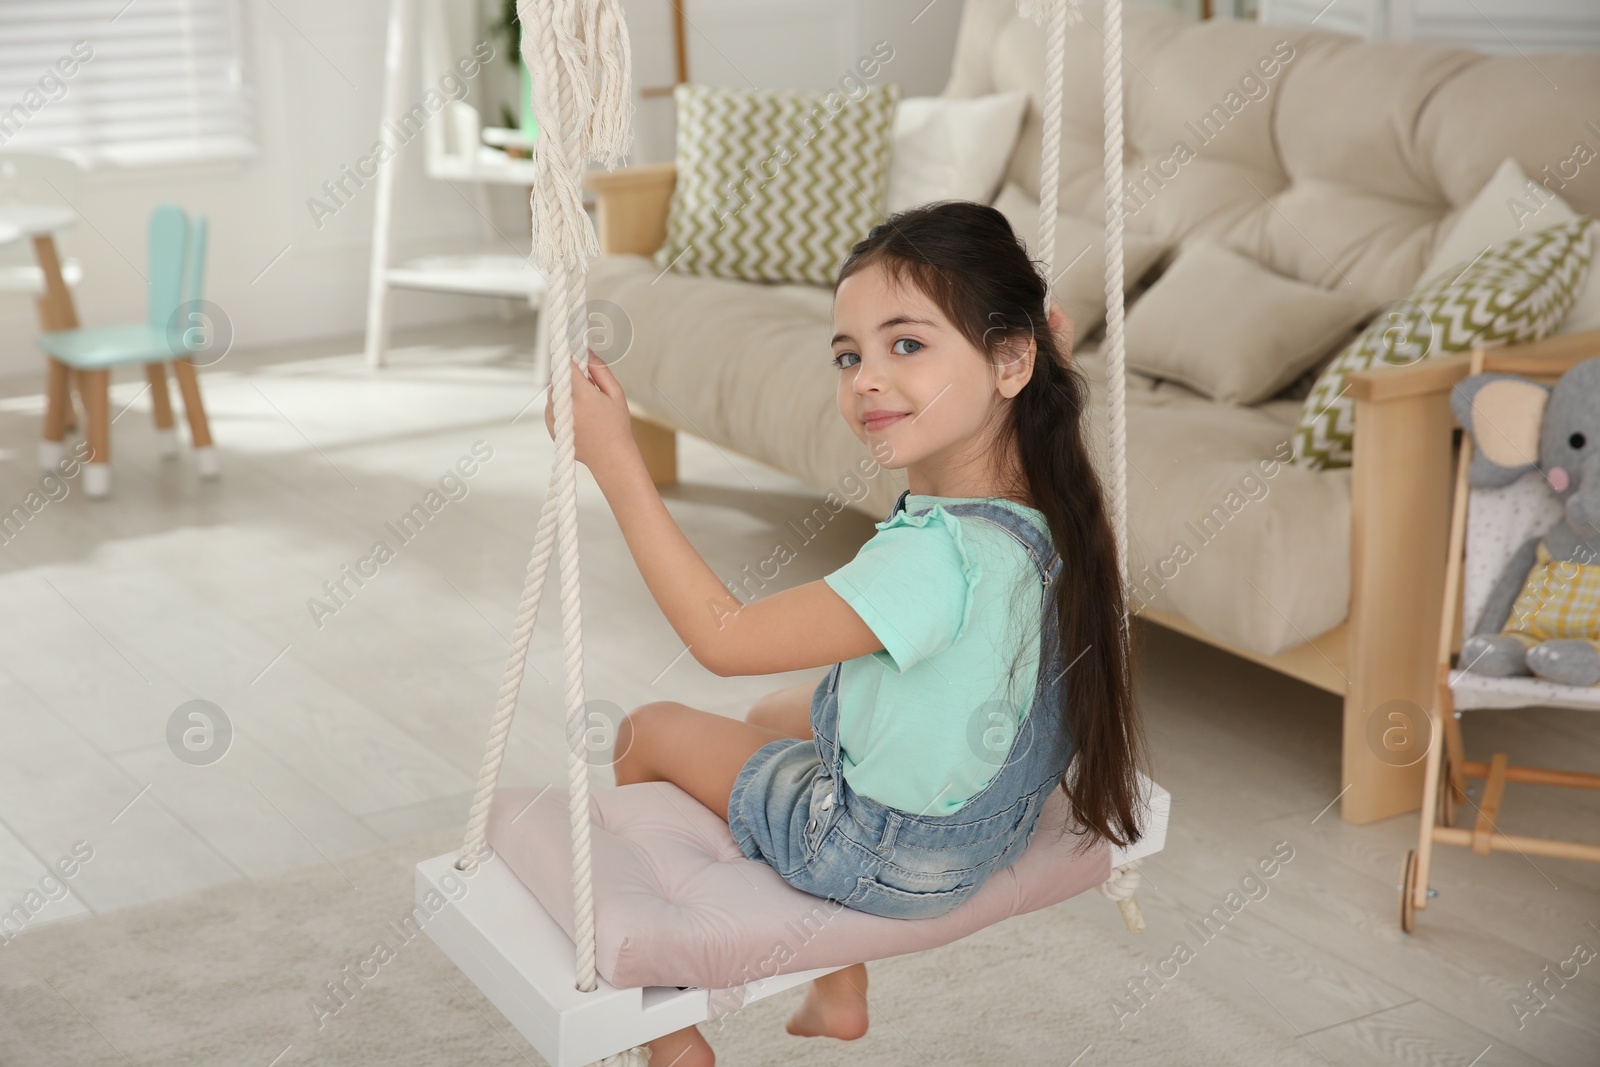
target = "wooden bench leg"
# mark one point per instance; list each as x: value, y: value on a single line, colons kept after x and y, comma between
x: 161, y: 410
x: 1400, y: 493
x: 658, y: 445
x: 205, y: 453
x: 97, y: 413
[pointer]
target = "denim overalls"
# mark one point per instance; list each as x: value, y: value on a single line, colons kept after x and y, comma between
x: 791, y: 806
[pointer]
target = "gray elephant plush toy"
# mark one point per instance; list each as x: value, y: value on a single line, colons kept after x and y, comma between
x: 1543, y: 615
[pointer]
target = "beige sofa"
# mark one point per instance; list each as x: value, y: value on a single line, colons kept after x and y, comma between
x: 1354, y: 166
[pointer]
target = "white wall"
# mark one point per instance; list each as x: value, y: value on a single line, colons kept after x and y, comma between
x: 317, y: 68
x: 1503, y: 26
x: 776, y: 44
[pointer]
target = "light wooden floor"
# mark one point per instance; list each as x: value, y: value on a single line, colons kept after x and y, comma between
x: 370, y: 726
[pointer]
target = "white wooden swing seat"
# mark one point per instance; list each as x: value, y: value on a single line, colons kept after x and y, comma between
x: 677, y: 904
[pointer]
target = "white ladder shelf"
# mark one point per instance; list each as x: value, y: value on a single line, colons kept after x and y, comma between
x: 455, y: 152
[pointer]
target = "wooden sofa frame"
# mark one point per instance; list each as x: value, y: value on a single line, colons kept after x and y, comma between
x: 1380, y: 660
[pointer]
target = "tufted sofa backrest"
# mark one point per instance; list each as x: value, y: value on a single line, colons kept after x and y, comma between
x: 1324, y: 157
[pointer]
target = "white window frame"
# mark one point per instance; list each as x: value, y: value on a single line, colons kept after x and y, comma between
x: 125, y: 84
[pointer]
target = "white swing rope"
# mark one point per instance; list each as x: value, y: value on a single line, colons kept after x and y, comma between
x: 1054, y: 16
x: 578, y: 54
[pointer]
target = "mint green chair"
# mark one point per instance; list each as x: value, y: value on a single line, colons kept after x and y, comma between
x: 176, y: 255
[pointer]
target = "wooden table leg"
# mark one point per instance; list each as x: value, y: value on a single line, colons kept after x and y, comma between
x: 161, y: 408
x: 56, y: 312
x: 97, y: 411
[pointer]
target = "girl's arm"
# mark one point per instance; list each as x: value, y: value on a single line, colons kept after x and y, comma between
x: 807, y: 626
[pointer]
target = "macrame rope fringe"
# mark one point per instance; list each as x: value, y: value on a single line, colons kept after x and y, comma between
x: 1038, y: 11
x: 610, y: 64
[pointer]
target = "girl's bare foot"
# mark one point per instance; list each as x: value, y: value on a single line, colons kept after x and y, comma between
x: 835, y: 1006
x: 682, y: 1048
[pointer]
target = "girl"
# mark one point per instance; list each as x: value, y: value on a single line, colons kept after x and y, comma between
x: 975, y: 642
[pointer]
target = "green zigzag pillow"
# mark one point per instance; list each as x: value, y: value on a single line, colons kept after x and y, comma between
x: 1516, y: 291
x: 776, y: 185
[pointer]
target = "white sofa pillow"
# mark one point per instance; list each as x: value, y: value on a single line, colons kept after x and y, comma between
x: 1221, y: 324
x: 1510, y: 205
x: 1080, y: 283
x: 952, y: 149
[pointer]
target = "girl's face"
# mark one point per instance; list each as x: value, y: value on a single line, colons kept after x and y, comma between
x: 912, y: 388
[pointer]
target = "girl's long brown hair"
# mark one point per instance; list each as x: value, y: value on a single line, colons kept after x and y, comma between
x: 965, y: 257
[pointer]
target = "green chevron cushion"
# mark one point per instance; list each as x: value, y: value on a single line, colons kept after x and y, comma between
x: 776, y: 184
x: 1516, y: 291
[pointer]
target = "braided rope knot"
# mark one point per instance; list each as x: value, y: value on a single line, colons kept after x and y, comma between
x: 1123, y: 883
x: 1120, y: 887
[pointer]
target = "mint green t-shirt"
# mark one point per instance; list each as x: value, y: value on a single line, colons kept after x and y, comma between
x: 925, y: 722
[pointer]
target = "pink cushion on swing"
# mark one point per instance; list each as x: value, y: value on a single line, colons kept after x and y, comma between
x: 677, y: 904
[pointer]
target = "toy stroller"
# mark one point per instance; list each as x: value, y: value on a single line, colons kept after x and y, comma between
x: 1526, y: 590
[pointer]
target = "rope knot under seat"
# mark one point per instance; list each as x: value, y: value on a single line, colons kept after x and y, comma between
x: 1123, y: 883
x: 1120, y: 887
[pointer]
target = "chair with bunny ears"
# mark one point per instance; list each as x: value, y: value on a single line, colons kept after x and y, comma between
x: 176, y: 329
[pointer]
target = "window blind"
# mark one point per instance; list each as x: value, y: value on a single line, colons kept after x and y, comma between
x: 126, y: 82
